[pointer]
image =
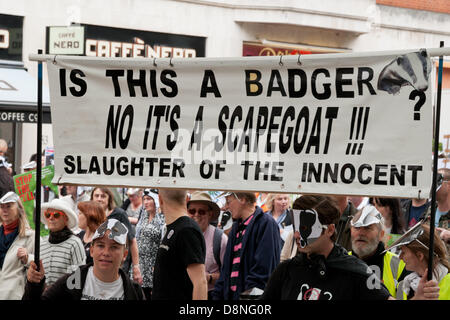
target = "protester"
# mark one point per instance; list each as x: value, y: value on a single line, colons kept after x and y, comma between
x: 348, y: 211
x: 100, y: 280
x: 149, y: 231
x: 343, y: 238
x: 134, y: 205
x: 414, y: 246
x: 91, y: 216
x: 203, y: 210
x: 443, y: 198
x: 16, y: 239
x: 368, y: 230
x: 415, y: 210
x: 253, y: 249
x: 105, y: 197
x: 29, y: 166
x: 323, y: 270
x: 278, y: 205
x: 6, y: 180
x: 62, y: 251
x: 180, y: 262
x: 390, y: 209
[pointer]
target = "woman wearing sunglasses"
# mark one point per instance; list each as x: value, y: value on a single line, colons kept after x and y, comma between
x: 62, y: 251
x: 16, y: 238
x: 414, y: 246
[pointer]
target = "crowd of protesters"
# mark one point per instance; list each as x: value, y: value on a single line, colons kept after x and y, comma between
x: 150, y: 244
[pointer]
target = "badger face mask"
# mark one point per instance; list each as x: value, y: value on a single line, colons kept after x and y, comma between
x: 307, y: 224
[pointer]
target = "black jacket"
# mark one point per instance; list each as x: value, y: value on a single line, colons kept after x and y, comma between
x: 60, y: 291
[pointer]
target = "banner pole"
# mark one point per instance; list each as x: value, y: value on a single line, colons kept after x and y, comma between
x: 435, y: 164
x: 37, y: 215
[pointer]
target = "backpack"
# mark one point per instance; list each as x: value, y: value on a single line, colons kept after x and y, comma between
x: 217, y: 240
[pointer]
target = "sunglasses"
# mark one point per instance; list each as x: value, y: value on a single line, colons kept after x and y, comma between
x: 201, y: 212
x: 55, y: 214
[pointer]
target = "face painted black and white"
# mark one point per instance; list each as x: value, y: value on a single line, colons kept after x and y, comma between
x: 307, y: 223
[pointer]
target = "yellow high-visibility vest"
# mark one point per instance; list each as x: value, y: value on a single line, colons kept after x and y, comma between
x: 444, y: 289
x: 393, y: 267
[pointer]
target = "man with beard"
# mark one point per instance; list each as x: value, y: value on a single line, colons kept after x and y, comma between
x: 367, y: 232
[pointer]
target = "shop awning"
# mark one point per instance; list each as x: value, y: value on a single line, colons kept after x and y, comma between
x: 18, y: 94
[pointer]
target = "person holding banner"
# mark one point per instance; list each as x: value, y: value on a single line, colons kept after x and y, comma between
x: 323, y: 270
x: 16, y: 239
x: 62, y: 251
x: 179, y: 272
x: 368, y: 230
x: 100, y: 280
x: 414, y: 246
x: 253, y: 248
x: 105, y: 197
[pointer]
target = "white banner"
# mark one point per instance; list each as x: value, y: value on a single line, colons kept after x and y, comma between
x: 326, y: 124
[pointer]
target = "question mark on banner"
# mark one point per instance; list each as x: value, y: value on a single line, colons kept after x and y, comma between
x: 422, y: 98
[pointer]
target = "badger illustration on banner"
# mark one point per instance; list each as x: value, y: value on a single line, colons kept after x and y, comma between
x: 409, y: 69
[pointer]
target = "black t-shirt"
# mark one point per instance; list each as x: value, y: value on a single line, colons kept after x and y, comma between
x: 295, y: 280
x: 183, y: 244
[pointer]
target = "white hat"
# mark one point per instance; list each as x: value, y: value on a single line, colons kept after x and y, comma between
x: 152, y: 194
x: 59, y: 204
x: 118, y: 231
x: 409, y: 236
x: 9, y: 197
x: 29, y: 166
x: 205, y: 198
x: 369, y: 215
x: 132, y: 191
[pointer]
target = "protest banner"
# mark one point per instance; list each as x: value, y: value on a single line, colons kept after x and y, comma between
x: 352, y: 124
x: 25, y: 187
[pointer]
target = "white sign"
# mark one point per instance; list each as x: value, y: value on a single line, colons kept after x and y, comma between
x: 66, y: 40
x: 329, y: 124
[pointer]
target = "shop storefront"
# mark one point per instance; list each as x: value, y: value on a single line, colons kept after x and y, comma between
x: 277, y: 48
x: 18, y: 91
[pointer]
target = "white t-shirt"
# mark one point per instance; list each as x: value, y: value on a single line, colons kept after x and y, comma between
x: 94, y: 289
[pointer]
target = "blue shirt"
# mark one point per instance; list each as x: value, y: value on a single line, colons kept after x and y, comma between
x: 415, y: 213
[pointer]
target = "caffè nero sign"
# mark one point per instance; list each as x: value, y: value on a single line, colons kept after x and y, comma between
x: 100, y: 41
x: 66, y: 40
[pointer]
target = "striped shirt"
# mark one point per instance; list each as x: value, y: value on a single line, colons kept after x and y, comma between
x: 237, y: 251
x: 62, y: 258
